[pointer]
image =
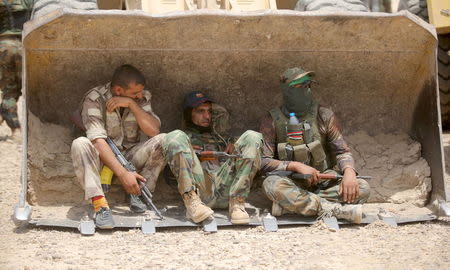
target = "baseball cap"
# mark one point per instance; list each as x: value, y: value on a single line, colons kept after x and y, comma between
x: 195, y: 98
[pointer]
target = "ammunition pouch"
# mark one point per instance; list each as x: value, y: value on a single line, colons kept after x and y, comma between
x: 297, y: 153
x: 311, y: 154
x: 282, y: 153
x: 301, y: 154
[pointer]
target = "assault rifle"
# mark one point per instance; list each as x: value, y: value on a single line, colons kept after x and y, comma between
x: 301, y: 176
x: 146, y: 195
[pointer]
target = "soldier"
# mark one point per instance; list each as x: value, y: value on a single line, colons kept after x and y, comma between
x: 315, y: 145
x: 13, y: 13
x: 222, y: 182
x: 122, y: 110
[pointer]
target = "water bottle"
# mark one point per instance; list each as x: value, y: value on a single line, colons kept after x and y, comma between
x: 294, y: 131
x: 293, y: 120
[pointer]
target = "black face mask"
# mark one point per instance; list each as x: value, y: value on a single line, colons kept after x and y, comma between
x: 296, y: 100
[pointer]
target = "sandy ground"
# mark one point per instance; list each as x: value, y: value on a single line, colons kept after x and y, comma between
x: 375, y: 246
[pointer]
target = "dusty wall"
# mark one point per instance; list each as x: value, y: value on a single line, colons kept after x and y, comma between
x: 399, y: 173
x: 372, y: 69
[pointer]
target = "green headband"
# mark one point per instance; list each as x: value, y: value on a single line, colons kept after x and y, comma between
x: 299, y: 81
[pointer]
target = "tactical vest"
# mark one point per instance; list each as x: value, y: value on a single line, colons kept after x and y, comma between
x: 209, y: 141
x: 311, y: 152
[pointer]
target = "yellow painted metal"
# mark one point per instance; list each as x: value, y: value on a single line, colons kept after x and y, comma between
x: 439, y: 14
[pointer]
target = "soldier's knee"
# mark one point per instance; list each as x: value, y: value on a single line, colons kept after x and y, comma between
x: 364, y: 191
x: 177, y: 141
x: 176, y: 136
x: 159, y: 138
x: 250, y: 137
x: 249, y: 144
x: 274, y: 186
x: 80, y: 144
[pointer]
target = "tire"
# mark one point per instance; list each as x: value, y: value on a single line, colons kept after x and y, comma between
x: 444, y: 78
x: 330, y: 5
x: 42, y: 7
x: 419, y: 8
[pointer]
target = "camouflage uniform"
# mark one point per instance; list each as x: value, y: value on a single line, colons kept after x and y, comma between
x: 10, y: 79
x: 217, y: 180
x: 145, y: 154
x: 297, y: 197
x: 10, y: 60
x: 229, y: 177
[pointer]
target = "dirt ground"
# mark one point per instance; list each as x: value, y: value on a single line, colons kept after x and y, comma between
x: 375, y: 246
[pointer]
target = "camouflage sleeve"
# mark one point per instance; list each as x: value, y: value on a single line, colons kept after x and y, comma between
x: 267, y: 129
x: 329, y: 126
x: 147, y: 106
x: 270, y: 164
x: 92, y: 117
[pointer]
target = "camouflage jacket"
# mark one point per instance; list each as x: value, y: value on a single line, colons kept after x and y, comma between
x: 10, y: 67
x: 122, y: 128
x: 329, y: 131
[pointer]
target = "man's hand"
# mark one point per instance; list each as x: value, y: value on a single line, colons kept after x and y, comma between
x: 299, y: 167
x: 229, y: 149
x: 349, y: 188
x: 118, y: 102
x: 130, y: 183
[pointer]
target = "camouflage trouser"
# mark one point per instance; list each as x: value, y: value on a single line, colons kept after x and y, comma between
x: 232, y: 179
x: 299, y: 199
x: 10, y: 79
x: 147, y: 157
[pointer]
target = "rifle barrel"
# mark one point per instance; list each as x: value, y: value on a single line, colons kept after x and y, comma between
x: 147, y: 195
x: 301, y: 176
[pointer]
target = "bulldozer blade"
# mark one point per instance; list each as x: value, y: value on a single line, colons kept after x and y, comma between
x: 87, y: 227
x: 148, y: 227
x: 210, y: 225
x: 22, y: 213
x: 387, y: 218
x: 444, y: 208
x: 331, y: 223
x: 371, y: 65
x: 270, y: 223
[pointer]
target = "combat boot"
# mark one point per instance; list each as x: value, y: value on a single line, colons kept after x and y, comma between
x: 236, y: 207
x: 195, y: 208
x: 348, y: 212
